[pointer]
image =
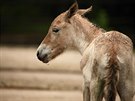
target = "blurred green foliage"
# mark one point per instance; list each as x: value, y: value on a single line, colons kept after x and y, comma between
x: 102, y: 19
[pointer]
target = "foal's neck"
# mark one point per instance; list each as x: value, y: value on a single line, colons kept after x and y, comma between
x: 85, y: 32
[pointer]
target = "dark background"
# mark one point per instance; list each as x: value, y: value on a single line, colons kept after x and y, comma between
x: 26, y: 22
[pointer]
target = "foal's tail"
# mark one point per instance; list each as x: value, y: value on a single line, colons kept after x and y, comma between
x: 111, y: 80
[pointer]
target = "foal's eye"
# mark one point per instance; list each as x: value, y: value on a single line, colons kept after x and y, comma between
x: 55, y: 30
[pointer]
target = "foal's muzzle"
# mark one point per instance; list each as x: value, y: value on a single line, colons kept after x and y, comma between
x: 43, y: 53
x: 41, y: 57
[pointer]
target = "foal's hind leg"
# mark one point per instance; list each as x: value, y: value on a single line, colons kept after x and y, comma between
x: 125, y: 92
x: 96, y: 89
x: 125, y: 84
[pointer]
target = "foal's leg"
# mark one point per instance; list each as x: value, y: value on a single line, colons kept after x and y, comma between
x: 125, y: 86
x: 125, y: 92
x: 96, y: 89
x: 87, y: 78
x: 125, y: 89
x: 86, y: 91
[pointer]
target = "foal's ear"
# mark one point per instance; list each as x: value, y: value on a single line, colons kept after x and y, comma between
x: 72, y: 11
x: 84, y: 11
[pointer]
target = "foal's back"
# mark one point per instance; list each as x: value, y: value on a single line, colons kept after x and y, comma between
x: 115, y: 44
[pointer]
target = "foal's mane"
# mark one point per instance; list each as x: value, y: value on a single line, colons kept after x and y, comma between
x: 82, y: 23
x: 95, y: 25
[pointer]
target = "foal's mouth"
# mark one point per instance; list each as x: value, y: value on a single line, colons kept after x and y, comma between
x: 43, y: 54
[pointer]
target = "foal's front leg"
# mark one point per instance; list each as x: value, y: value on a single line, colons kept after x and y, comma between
x: 86, y: 91
x: 86, y: 70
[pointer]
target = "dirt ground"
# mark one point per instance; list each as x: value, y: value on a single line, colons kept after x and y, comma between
x: 24, y: 78
x: 24, y: 58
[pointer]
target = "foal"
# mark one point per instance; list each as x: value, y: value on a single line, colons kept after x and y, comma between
x: 106, y: 56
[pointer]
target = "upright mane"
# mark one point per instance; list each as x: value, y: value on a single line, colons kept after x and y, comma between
x: 88, y: 28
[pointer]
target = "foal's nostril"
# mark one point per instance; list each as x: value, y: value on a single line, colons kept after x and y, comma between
x: 45, y: 56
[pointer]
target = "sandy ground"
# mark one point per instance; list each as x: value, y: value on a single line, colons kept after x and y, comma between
x: 24, y: 58
x: 24, y: 78
x: 39, y: 95
x: 40, y: 80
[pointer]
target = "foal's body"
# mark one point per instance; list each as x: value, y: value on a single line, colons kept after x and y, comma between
x: 106, y: 67
x: 107, y: 57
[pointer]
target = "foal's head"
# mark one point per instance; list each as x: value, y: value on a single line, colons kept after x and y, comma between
x: 59, y: 36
